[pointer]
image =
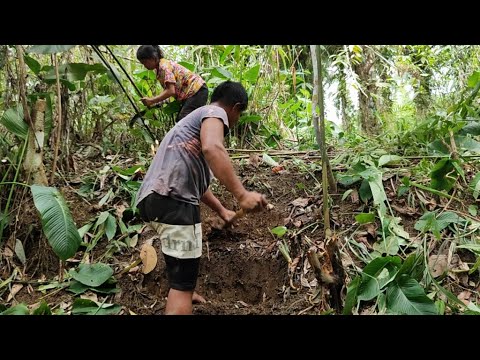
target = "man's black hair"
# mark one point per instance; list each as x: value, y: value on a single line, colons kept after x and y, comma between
x: 230, y: 93
x: 145, y: 52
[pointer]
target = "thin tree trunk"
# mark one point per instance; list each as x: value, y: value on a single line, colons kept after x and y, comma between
x: 59, y: 122
x: 33, y: 164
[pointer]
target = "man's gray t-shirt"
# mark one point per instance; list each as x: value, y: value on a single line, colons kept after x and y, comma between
x: 179, y: 169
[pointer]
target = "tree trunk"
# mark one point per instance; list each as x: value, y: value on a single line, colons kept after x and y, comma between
x: 33, y: 164
x: 368, y: 121
x: 317, y: 99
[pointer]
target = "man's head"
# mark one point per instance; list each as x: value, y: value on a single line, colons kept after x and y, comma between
x: 149, y: 55
x: 233, y: 98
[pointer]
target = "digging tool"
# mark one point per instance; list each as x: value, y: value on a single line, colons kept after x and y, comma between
x: 148, y: 257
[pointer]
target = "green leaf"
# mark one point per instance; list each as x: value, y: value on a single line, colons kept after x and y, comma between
x: 389, y: 159
x: 472, y: 128
x: 89, y: 307
x: 48, y: 49
x: 376, y: 274
x: 74, y: 71
x: 128, y: 172
x: 346, y: 193
x: 389, y: 246
x: 20, y: 309
x: 443, y: 175
x: 251, y: 74
x: 473, y: 210
x: 250, y: 119
x: 472, y: 247
x: 33, y: 64
x: 110, y: 227
x: 102, y: 218
x: 406, y: 296
x: 279, y: 231
x: 92, y: 274
x: 77, y: 287
x: 473, y: 79
x: 374, y: 178
x: 222, y: 73
x: 42, y: 309
x: 227, y: 52
x: 351, y: 299
x: 365, y: 218
x: 12, y: 119
x: 347, y: 180
x: 365, y: 192
x: 57, y: 222
x: 84, y: 229
x: 475, y: 185
x: 20, y: 252
x: 187, y: 65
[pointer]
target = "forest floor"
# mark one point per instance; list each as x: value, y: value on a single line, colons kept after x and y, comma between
x: 242, y: 270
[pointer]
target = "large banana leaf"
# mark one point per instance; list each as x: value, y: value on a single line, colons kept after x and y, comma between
x: 57, y: 222
x: 12, y: 119
x: 49, y: 49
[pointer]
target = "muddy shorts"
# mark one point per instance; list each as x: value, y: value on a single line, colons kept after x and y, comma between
x: 178, y: 225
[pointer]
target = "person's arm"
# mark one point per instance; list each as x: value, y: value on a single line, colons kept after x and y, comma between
x: 211, y: 138
x: 213, y: 203
x: 165, y: 94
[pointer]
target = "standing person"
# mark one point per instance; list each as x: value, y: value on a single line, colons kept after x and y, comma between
x: 177, y: 81
x: 178, y: 179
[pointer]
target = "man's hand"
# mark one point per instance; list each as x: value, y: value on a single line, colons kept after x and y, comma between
x: 227, y: 215
x: 252, y: 201
x: 147, y: 101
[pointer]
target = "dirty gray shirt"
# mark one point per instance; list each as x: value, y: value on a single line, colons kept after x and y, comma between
x: 179, y: 169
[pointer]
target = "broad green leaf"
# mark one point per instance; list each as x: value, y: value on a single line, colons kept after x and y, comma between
x: 249, y: 119
x: 222, y: 73
x: 102, y: 218
x: 128, y: 172
x: 20, y: 309
x: 251, y: 74
x: 77, y: 287
x: 346, y: 193
x: 374, y: 178
x: 376, y: 274
x: 105, y: 198
x: 84, y: 229
x: 406, y: 296
x: 365, y: 218
x: 74, y: 71
x: 57, y: 222
x: 430, y: 222
x: 12, y: 119
x: 42, y: 309
x: 389, y: 159
x: 92, y: 274
x: 351, y: 299
x: 473, y: 210
x: 187, y: 65
x: 412, y: 266
x: 20, y: 252
x: 473, y: 79
x: 227, y: 52
x: 347, y: 180
x: 443, y: 175
x: 395, y: 228
x: 89, y: 307
x: 472, y: 128
x: 279, y: 231
x: 365, y: 191
x: 49, y: 49
x: 390, y: 246
x: 110, y: 227
x: 475, y: 185
x: 33, y: 64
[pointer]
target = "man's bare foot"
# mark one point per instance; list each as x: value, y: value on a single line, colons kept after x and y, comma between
x: 197, y: 298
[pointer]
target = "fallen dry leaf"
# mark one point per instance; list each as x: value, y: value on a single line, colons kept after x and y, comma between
x: 254, y: 160
x: 149, y: 258
x: 464, y: 295
x: 437, y: 264
x: 89, y: 296
x: 354, y: 196
x: 300, y: 202
x: 8, y: 252
x: 15, y: 289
